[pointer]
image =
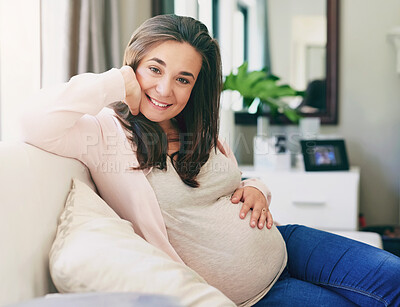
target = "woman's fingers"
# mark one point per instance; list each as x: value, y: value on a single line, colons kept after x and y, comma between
x: 259, y: 215
x: 269, y: 220
x: 263, y: 218
x: 237, y: 195
x: 133, y: 92
x: 253, y: 200
x: 245, y: 209
x: 133, y: 102
x: 236, y: 198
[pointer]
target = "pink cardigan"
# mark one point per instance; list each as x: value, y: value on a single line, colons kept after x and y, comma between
x: 72, y: 120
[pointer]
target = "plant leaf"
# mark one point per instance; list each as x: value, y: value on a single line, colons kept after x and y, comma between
x: 261, y: 84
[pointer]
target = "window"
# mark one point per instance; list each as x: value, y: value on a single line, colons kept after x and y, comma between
x: 242, y: 15
x: 19, y: 61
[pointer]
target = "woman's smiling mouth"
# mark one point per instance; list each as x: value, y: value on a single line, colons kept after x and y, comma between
x: 157, y: 104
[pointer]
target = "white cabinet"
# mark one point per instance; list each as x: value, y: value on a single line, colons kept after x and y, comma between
x: 324, y: 200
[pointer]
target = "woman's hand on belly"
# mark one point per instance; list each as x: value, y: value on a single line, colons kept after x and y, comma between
x: 252, y: 198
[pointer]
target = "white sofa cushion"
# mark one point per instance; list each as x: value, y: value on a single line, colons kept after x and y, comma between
x: 370, y: 238
x: 96, y: 250
x: 34, y: 185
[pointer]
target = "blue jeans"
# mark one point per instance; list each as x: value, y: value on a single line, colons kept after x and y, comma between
x: 329, y: 270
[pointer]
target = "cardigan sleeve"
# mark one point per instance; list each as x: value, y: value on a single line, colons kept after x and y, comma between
x: 252, y: 182
x: 62, y: 119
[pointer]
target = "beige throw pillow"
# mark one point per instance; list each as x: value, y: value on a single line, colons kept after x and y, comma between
x: 97, y: 251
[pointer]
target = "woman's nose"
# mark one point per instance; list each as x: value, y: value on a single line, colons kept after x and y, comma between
x: 164, y: 87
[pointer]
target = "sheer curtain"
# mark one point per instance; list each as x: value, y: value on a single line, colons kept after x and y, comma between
x: 78, y: 36
x: 48, y: 41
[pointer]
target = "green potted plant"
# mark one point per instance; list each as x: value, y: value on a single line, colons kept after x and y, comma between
x: 263, y: 85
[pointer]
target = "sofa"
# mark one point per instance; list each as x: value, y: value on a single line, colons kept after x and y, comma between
x: 33, y: 191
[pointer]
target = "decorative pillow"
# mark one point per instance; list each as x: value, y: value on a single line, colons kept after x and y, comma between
x: 97, y: 251
x: 95, y: 299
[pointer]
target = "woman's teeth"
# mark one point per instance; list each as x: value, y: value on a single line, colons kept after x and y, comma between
x: 159, y: 104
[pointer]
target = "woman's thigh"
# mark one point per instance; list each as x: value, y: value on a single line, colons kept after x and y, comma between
x: 366, y: 275
x: 289, y: 292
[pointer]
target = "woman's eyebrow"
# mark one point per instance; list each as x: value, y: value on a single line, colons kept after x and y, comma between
x: 162, y: 63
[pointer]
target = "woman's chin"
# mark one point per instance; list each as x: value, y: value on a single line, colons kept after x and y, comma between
x: 153, y: 118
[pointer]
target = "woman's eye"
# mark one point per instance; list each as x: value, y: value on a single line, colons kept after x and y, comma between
x: 154, y: 69
x: 183, y: 80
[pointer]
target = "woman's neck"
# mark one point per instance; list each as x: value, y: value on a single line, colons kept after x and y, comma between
x: 172, y: 132
x: 166, y: 125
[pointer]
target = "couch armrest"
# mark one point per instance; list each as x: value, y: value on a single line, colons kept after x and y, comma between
x: 34, y: 185
x: 371, y: 238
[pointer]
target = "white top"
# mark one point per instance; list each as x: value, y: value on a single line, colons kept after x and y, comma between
x: 205, y: 229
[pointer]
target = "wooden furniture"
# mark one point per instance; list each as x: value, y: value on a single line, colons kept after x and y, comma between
x: 323, y: 200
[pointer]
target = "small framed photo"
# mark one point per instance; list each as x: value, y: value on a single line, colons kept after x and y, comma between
x: 324, y: 155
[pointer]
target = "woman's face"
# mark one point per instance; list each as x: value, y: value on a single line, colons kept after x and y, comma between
x: 167, y: 75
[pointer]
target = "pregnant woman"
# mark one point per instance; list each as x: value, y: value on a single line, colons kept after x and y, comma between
x: 148, y: 132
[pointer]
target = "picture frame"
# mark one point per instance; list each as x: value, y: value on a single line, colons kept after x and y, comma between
x: 324, y: 155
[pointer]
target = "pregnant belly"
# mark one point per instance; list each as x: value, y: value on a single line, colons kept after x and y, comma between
x: 230, y: 255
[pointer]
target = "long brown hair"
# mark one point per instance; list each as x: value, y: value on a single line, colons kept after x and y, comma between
x: 199, y: 121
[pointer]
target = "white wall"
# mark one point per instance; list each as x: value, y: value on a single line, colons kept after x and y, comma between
x: 132, y: 13
x: 369, y: 104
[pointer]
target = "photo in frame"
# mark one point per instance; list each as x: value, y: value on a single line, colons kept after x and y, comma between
x: 324, y: 155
